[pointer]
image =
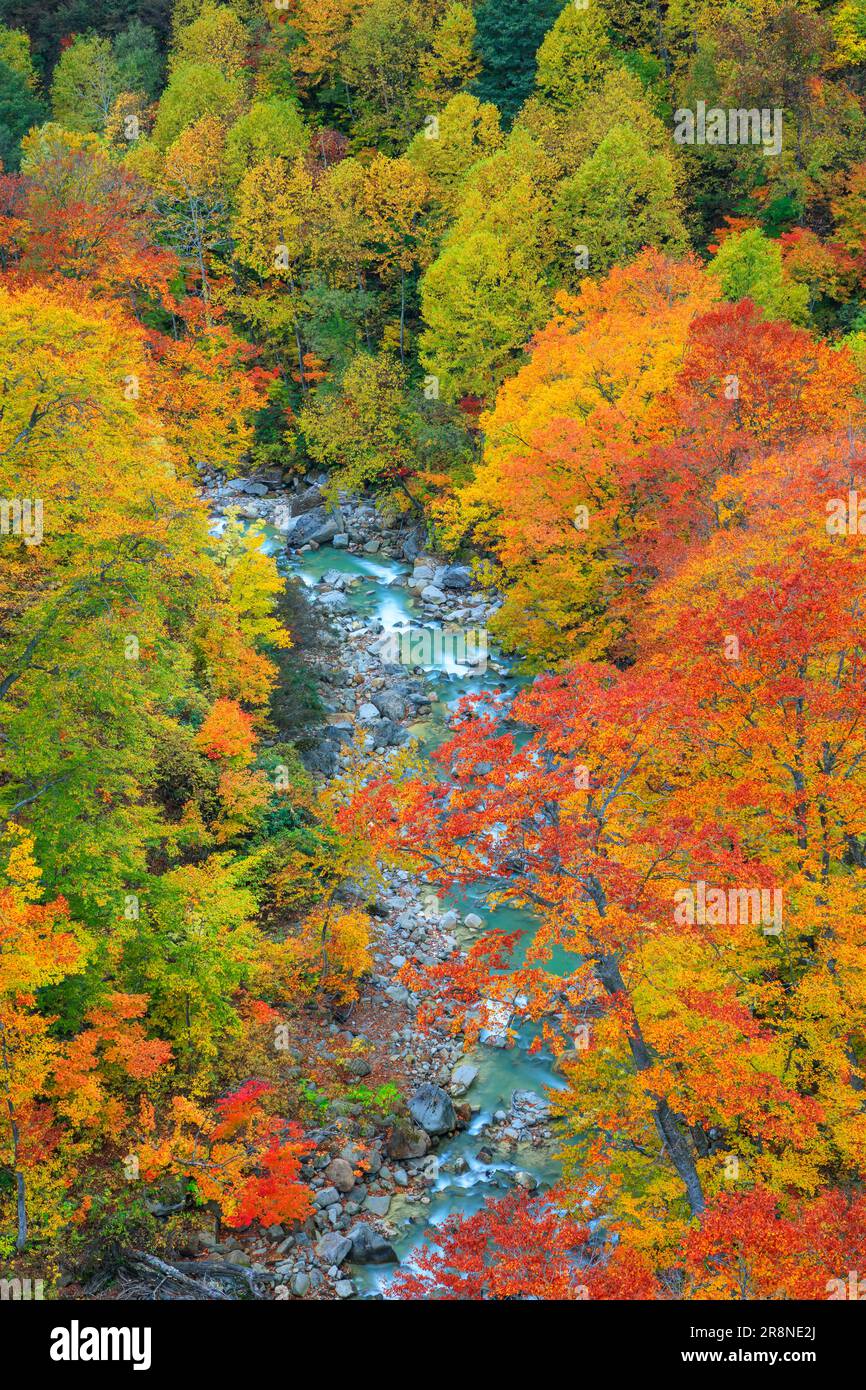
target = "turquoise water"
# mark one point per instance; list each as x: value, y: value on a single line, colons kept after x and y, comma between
x: 380, y: 596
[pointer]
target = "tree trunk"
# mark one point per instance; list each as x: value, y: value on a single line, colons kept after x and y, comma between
x: 669, y: 1126
x: 21, y: 1188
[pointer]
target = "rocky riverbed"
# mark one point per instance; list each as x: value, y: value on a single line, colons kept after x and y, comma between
x: 474, y: 1126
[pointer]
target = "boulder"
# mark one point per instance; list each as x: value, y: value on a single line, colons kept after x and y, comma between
x: 473, y: 921
x: 334, y: 602
x: 368, y: 712
x: 333, y: 1248
x: 462, y: 1078
x: 457, y: 577
x: 307, y: 501
x: 389, y: 734
x: 390, y: 704
x: 369, y: 1247
x: 529, y: 1108
x: 431, y: 594
x: 379, y: 1206
x: 326, y: 1197
x: 314, y: 526
x: 407, y: 1141
x: 411, y: 545
x: 431, y: 1108
x: 340, y: 1174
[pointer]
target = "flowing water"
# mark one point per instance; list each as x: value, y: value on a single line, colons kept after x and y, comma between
x: 382, y: 597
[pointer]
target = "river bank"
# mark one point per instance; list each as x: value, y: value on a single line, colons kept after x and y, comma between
x: 408, y: 638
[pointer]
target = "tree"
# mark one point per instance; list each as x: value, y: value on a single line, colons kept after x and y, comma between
x: 15, y: 52
x: 20, y: 110
x: 139, y: 61
x: 38, y: 946
x: 519, y: 1247
x: 379, y: 65
x: 271, y: 128
x: 749, y: 266
x: 193, y: 948
x: 589, y: 394
x: 363, y: 433
x: 481, y: 300
x: 272, y: 230
x: 244, y: 1159
x: 575, y: 55
x: 509, y: 33
x: 622, y: 199
x: 466, y: 132
x: 450, y: 61
x: 85, y: 84
x: 192, y: 180
x: 638, y: 395
x: 217, y: 38
x: 195, y: 90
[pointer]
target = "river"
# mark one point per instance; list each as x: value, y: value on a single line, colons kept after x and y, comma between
x: 464, y: 1182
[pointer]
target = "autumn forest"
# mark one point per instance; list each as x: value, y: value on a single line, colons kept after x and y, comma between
x: 433, y: 651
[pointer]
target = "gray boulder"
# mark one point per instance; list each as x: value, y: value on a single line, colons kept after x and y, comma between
x: 333, y: 1248
x: 462, y: 1078
x: 379, y: 1206
x: 369, y: 1247
x: 431, y: 1108
x: 390, y: 704
x: 340, y: 1174
x: 407, y: 1141
x: 315, y: 526
x: 529, y: 1108
x: 334, y: 602
x: 326, y: 1197
x: 458, y: 577
x: 306, y: 501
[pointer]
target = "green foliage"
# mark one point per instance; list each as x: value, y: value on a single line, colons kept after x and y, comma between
x: 749, y: 266
x: 269, y: 128
x: 383, y: 1101
x: 509, y: 34
x: 363, y: 433
x: 574, y: 56
x: 195, y: 90
x: 623, y: 198
x: 86, y: 81
x: 466, y: 131
x: 15, y: 53
x: 481, y: 301
x: 20, y: 110
x: 380, y: 66
x: 139, y: 62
